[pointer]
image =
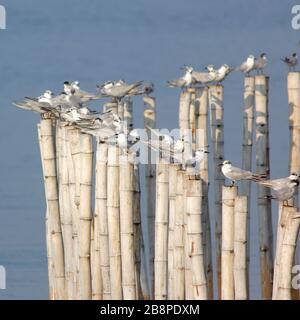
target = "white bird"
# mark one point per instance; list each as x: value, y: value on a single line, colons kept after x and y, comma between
x: 235, y: 174
x: 194, y: 162
x: 119, y: 89
x: 291, y: 61
x: 261, y: 63
x: 183, y: 82
x: 248, y: 65
x: 222, y: 73
x: 280, y: 183
x: 83, y: 95
x: 205, y: 77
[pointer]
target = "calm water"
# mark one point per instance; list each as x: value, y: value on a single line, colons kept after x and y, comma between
x: 48, y: 42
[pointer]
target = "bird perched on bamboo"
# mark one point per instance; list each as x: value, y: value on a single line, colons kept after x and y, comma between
x: 204, y: 78
x: 119, y: 89
x: 283, y: 189
x: 194, y: 162
x: 260, y: 63
x: 222, y: 73
x: 185, y: 81
x: 235, y: 174
x: 247, y: 66
x: 291, y: 61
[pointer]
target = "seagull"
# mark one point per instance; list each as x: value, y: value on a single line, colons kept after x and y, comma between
x: 261, y: 63
x: 248, y: 65
x: 235, y: 174
x: 291, y: 61
x: 282, y: 189
x: 205, y: 77
x: 183, y: 82
x: 119, y: 89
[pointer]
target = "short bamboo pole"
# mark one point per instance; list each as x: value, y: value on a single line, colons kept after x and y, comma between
x: 161, y: 232
x: 85, y: 218
x: 179, y: 257
x: 201, y: 104
x: 227, y: 259
x: 293, y: 83
x: 51, y: 191
x: 150, y: 176
x: 101, y: 215
x: 51, y: 272
x: 173, y: 168
x: 216, y: 97
x: 240, y: 269
x: 287, y: 256
x: 127, y: 227
x: 264, y: 203
x: 194, y: 209
x: 113, y: 214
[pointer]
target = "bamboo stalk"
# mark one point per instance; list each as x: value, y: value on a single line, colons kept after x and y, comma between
x: 287, y: 254
x: 227, y: 259
x: 51, y: 191
x: 264, y: 203
x: 161, y: 232
x: 127, y: 228
x: 150, y: 176
x: 192, y: 118
x: 51, y: 272
x: 85, y: 218
x: 202, y: 142
x: 113, y: 214
x: 128, y: 113
x: 101, y: 215
x: 184, y: 122
x: 194, y: 237
x: 216, y: 97
x: 179, y: 256
x: 173, y: 168
x: 240, y: 248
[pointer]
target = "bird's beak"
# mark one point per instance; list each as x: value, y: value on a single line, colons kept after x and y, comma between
x: 206, y: 151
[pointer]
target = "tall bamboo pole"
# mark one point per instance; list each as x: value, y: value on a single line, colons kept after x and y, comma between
x: 202, y: 142
x: 216, y: 97
x: 184, y: 122
x: 113, y: 213
x: 287, y: 254
x: 195, y: 235
x: 150, y: 176
x: 85, y: 218
x: 179, y: 257
x: 51, y: 191
x: 173, y: 168
x: 263, y: 167
x: 240, y: 248
x: 101, y: 215
x: 127, y: 228
x: 161, y: 232
x: 229, y: 195
x: 51, y: 272
x: 193, y: 118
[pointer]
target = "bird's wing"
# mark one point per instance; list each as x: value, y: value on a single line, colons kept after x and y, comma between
x: 202, y: 77
x: 177, y: 83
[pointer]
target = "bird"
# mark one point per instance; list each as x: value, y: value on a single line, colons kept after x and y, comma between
x: 261, y: 63
x: 247, y: 66
x: 194, y: 162
x: 291, y: 61
x: 83, y: 95
x: 283, y: 189
x: 235, y: 174
x: 222, y: 73
x: 119, y: 89
x: 205, y: 77
x: 184, y: 82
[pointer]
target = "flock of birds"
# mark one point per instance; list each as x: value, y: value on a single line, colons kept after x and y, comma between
x: 71, y: 107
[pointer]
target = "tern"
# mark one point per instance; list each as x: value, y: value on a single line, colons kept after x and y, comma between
x: 119, y: 89
x: 205, y: 77
x: 194, y: 162
x: 83, y: 95
x: 248, y: 65
x: 235, y: 174
x: 291, y: 61
x: 260, y: 63
x: 183, y: 82
x: 222, y: 73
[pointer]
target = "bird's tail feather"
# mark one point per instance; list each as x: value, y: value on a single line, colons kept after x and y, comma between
x: 259, y: 177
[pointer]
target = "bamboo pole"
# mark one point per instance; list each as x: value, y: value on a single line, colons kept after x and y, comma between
x: 128, y: 113
x: 240, y: 269
x: 179, y: 257
x: 192, y: 119
x: 173, y: 168
x: 51, y: 272
x: 227, y: 259
x: 194, y: 237
x: 201, y: 104
x: 101, y: 215
x: 287, y: 254
x: 127, y: 228
x: 51, y: 191
x: 184, y: 122
x: 264, y: 203
x: 85, y: 218
x: 113, y: 214
x: 150, y: 176
x: 161, y: 232
x: 216, y: 97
